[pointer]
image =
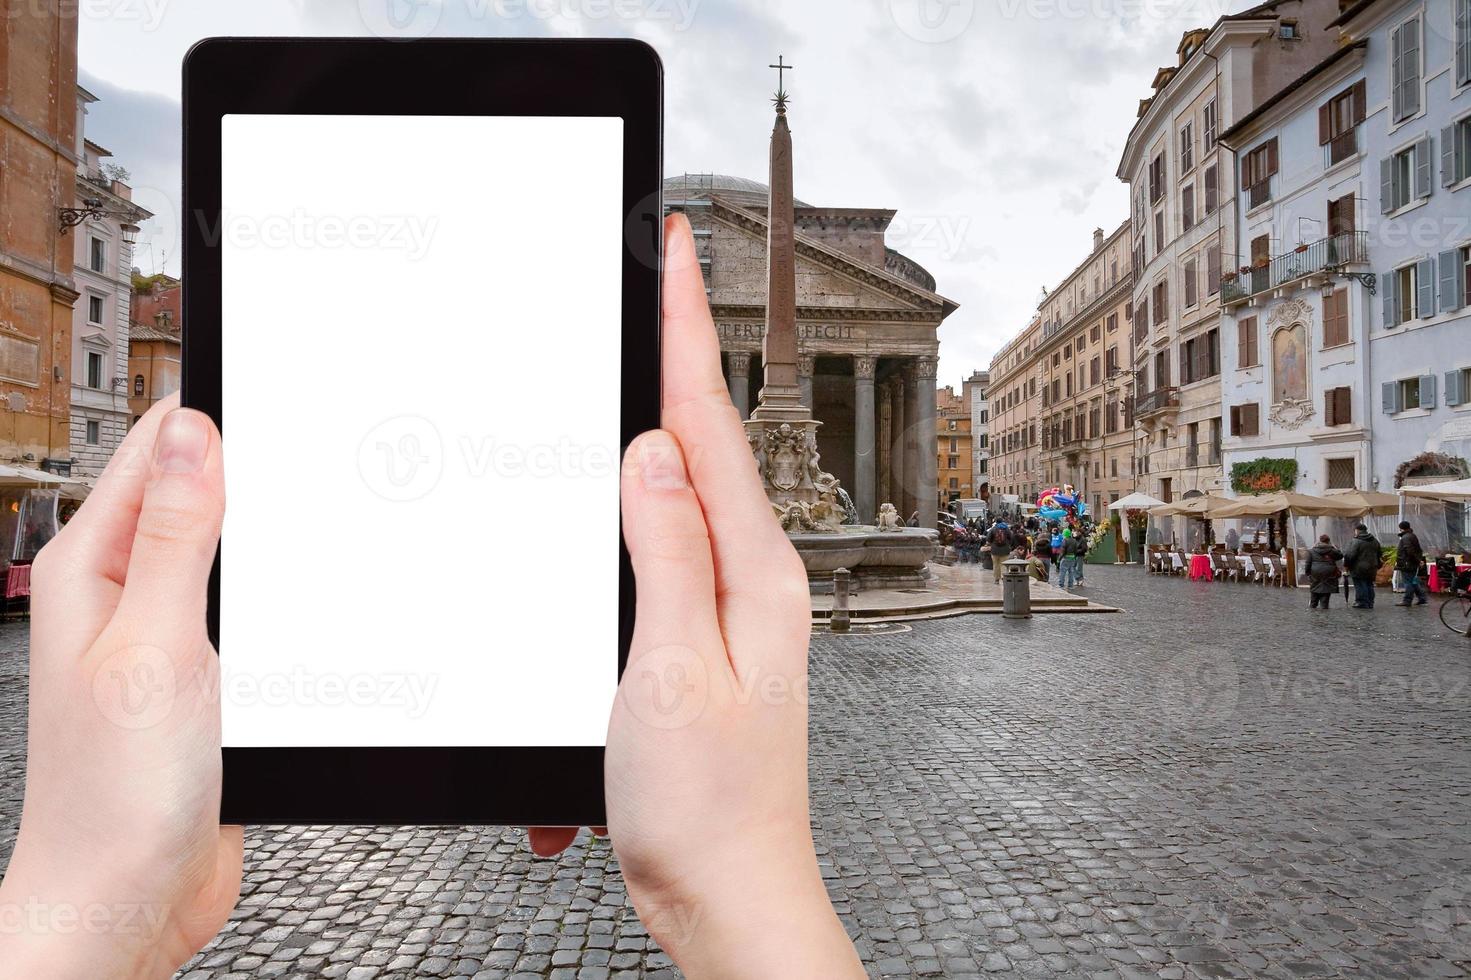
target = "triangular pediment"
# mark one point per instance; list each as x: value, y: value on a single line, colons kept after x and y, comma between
x: 826, y: 277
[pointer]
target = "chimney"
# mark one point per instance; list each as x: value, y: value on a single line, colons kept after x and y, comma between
x: 1097, y: 239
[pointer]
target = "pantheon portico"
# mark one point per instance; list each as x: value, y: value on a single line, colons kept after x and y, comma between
x: 867, y: 333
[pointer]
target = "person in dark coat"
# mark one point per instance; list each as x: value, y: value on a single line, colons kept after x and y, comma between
x: 1362, y: 559
x: 1410, y: 563
x: 1322, y: 571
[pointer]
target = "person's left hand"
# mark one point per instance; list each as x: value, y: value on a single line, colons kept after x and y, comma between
x: 121, y: 868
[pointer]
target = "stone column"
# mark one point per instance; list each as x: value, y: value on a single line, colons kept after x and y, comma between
x: 740, y: 382
x: 915, y: 441
x: 865, y: 464
x: 806, y: 368
x: 885, y: 443
x: 926, y: 439
x: 897, y: 486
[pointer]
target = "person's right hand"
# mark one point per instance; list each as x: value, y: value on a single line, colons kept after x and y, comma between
x: 707, y: 747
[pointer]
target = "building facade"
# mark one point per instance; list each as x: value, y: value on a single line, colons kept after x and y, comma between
x: 867, y: 326
x: 1015, y: 401
x: 1182, y: 191
x: 979, y: 386
x: 1417, y: 154
x: 38, y: 164
x: 954, y: 462
x: 103, y: 261
x: 1083, y: 352
x: 155, y: 343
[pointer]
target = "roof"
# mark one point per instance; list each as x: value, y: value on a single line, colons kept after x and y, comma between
x: 742, y: 190
x: 1245, y: 121
x: 143, y: 331
x: 1352, y: 11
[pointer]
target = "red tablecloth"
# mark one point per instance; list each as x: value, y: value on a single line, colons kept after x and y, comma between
x: 18, y: 581
x: 1435, y: 583
x: 1200, y: 567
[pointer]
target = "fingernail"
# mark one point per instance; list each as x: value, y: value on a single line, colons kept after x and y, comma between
x: 661, y: 465
x: 183, y: 441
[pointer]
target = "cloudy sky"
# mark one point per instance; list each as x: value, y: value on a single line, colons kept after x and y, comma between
x: 994, y: 127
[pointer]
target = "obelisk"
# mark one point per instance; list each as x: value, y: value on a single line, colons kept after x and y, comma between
x: 781, y: 430
x: 781, y: 393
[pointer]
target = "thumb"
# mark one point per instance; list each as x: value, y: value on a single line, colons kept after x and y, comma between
x: 173, y: 549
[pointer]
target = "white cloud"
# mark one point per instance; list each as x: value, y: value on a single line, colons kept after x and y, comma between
x: 992, y: 126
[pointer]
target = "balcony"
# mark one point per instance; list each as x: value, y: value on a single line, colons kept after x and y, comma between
x: 1349, y: 248
x: 1157, y: 402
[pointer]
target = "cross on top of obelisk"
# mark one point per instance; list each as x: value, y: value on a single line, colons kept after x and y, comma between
x: 781, y: 82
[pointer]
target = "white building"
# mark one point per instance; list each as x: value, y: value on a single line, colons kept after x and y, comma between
x: 1417, y: 148
x: 1296, y: 300
x: 107, y: 222
x: 980, y: 428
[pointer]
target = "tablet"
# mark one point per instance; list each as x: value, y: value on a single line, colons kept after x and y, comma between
x: 421, y: 297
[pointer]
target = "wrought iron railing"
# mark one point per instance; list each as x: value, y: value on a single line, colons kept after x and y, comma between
x: 1337, y: 250
x: 1157, y: 401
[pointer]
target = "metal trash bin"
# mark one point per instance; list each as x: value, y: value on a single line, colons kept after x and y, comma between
x: 1016, y: 589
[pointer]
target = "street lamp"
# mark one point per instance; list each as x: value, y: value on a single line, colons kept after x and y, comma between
x: 92, y: 207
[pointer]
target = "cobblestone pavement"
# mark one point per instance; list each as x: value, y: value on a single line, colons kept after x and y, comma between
x: 1217, y: 783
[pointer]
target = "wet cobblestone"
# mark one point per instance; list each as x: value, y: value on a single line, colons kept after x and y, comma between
x: 1215, y: 783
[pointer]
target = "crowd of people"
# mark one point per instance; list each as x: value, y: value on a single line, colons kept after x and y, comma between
x: 1050, y: 548
x: 1361, y: 560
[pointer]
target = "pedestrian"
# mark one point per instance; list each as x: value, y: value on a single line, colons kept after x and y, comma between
x: 1233, y: 540
x: 1362, y: 559
x: 1000, y: 549
x: 1043, y: 550
x: 1322, y: 571
x: 1068, y: 573
x: 1409, y: 562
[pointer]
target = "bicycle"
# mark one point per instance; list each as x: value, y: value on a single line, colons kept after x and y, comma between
x: 1455, y: 613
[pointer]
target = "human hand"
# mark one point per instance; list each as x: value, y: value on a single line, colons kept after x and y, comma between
x: 706, y: 771
x: 121, y: 868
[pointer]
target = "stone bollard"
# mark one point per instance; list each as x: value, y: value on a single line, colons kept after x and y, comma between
x: 841, y: 618
x: 1016, y: 589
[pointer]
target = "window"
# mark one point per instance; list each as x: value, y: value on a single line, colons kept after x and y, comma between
x: 1070, y: 384
x: 1257, y: 171
x: 1161, y: 370
x: 1335, y: 319
x: 1458, y: 387
x: 94, y: 309
x: 1246, y: 419
x: 94, y: 369
x: 1141, y: 323
x: 1080, y: 344
x: 1159, y: 231
x: 1192, y: 283
x: 1341, y: 216
x: 1409, y: 394
x: 1213, y: 270
x: 1187, y: 148
x: 97, y: 261
x: 1338, y: 121
x: 1405, y: 177
x: 1246, y: 331
x: 1187, y: 207
x: 1094, y: 367
x: 138, y: 385
x: 1192, y: 444
x: 1404, y: 82
x: 952, y: 462
x: 1161, y: 301
x: 1156, y: 179
x: 1455, y: 152
x: 1111, y: 361
x: 954, y: 482
x: 1113, y: 322
x: 1095, y: 333
x: 1212, y: 189
x: 1287, y: 31
x: 1341, y: 474
x: 1409, y: 293
x: 1463, y: 42
x: 1200, y: 357
x: 1338, y: 406
x: 1208, y: 134
x: 1215, y: 457
x: 94, y: 433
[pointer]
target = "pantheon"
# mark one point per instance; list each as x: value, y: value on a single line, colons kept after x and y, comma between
x: 867, y: 328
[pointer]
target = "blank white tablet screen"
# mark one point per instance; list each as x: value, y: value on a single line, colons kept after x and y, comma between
x: 421, y: 388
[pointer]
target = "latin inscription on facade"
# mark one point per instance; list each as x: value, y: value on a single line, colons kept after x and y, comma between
x: 737, y: 332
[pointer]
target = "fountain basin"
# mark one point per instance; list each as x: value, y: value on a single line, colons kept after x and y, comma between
x: 877, y: 559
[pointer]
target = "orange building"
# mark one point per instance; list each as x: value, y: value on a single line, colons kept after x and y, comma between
x: 953, y: 432
x: 38, y: 165
x: 155, y: 342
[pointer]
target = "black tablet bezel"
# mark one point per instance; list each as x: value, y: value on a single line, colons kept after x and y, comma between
x: 351, y: 76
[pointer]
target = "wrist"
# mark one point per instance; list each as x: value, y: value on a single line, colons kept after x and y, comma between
x: 751, y: 918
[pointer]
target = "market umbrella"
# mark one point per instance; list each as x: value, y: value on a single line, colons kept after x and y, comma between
x: 1301, y: 504
x: 1370, y: 502
x: 1203, y: 508
x: 24, y: 476
x: 1451, y: 490
x: 1136, y: 501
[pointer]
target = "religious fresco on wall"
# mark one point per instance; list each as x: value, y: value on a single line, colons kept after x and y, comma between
x: 1289, y: 365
